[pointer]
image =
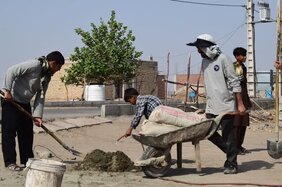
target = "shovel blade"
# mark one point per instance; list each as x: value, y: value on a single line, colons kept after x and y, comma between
x: 72, y: 151
x: 274, y: 148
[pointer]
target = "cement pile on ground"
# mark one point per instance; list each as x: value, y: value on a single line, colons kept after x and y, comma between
x: 99, y: 160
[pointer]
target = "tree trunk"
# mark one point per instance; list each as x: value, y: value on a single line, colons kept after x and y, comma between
x: 118, y: 89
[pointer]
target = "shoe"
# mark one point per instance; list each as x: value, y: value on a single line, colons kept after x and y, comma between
x: 14, y: 167
x: 230, y: 170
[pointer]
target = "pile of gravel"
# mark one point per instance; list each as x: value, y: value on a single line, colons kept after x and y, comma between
x: 99, y: 160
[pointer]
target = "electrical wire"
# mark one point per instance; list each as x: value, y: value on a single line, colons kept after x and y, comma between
x: 231, y: 34
x: 218, y: 184
x: 208, y: 4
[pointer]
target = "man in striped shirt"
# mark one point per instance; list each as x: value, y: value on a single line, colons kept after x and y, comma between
x: 145, y: 104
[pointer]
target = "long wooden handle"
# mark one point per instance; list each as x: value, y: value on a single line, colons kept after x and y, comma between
x: 31, y: 117
x: 278, y: 51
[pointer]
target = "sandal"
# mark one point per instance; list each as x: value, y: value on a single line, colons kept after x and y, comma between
x: 244, y: 150
x: 14, y: 167
x: 241, y: 153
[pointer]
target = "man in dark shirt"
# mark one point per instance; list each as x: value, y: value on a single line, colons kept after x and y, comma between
x: 144, y: 106
x: 242, y: 121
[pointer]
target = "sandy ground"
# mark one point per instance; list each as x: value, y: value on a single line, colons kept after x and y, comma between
x: 255, y: 169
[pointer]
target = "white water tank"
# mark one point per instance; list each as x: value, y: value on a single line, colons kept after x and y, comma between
x: 94, y: 93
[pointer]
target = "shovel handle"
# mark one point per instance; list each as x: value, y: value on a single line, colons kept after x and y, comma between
x: 31, y: 117
x: 278, y: 53
x: 55, y: 137
x: 17, y: 106
x: 238, y: 113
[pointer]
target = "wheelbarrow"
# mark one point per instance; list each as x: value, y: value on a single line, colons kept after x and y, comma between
x: 156, y: 158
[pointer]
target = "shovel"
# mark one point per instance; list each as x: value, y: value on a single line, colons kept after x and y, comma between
x: 274, y: 146
x: 72, y: 151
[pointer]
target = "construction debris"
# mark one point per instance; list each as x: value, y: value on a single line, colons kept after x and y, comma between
x: 261, y: 116
x: 99, y: 160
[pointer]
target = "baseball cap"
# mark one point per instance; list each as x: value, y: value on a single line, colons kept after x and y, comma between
x: 203, y: 40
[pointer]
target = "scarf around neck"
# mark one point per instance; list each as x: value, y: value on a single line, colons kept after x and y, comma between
x: 211, y: 52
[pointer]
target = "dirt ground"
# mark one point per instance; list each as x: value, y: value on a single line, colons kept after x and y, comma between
x: 255, y: 169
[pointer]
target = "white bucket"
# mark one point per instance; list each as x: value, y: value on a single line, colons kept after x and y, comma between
x: 94, y: 93
x: 44, y: 173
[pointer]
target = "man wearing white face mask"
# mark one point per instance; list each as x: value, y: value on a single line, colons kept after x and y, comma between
x: 222, y: 90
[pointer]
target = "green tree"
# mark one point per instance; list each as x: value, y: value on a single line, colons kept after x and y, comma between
x: 108, y: 55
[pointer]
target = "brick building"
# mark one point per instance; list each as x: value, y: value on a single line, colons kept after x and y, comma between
x: 180, y: 90
x: 57, y: 91
x: 147, y: 81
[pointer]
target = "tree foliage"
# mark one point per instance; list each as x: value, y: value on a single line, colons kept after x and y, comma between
x: 108, y: 55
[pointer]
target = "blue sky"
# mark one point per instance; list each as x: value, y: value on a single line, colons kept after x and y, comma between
x: 36, y: 27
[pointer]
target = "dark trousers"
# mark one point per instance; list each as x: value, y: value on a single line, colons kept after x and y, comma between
x: 241, y: 122
x: 227, y: 142
x: 16, y: 123
x: 240, y: 134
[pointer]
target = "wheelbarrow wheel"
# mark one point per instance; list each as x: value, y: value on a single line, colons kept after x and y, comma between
x: 158, y: 170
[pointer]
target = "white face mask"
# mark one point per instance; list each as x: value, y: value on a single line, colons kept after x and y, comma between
x: 211, y: 52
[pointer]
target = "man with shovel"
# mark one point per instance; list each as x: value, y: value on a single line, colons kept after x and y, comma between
x: 222, y: 87
x: 22, y: 82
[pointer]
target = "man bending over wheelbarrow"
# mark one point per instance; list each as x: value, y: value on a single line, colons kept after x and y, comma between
x: 222, y: 89
x: 145, y: 105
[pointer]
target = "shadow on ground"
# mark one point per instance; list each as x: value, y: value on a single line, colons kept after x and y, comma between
x: 254, y: 165
x: 244, y: 167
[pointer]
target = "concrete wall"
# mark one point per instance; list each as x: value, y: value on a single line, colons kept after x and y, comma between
x: 117, y: 110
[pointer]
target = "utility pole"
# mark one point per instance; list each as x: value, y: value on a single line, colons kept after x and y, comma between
x: 167, y: 75
x: 251, y: 72
x: 187, y: 81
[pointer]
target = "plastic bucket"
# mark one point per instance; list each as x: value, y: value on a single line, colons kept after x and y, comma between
x: 44, y: 173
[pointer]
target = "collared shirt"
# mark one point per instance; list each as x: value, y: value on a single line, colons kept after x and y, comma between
x: 144, y: 106
x: 243, y: 82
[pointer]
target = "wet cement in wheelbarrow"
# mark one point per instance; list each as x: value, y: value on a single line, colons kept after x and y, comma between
x: 99, y: 160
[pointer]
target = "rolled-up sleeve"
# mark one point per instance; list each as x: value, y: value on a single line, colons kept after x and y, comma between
x: 232, y: 78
